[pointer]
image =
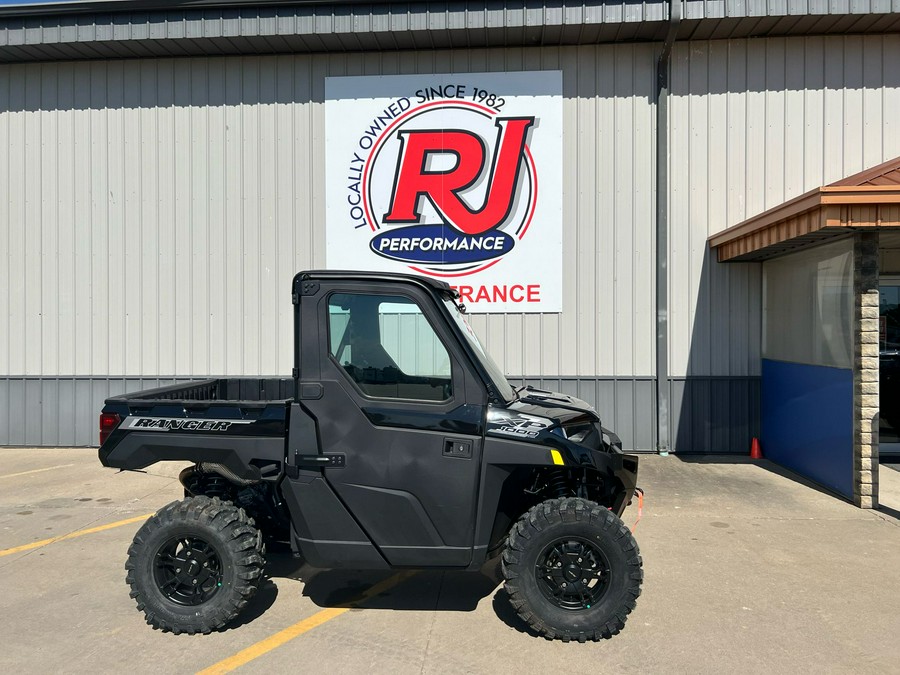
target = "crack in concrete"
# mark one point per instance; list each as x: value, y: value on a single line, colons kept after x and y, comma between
x: 711, y: 516
x: 890, y: 520
x: 437, y: 602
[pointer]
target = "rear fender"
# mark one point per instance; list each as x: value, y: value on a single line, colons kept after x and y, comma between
x: 248, y: 457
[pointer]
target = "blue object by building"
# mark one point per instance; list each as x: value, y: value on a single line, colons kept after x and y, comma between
x: 807, y: 421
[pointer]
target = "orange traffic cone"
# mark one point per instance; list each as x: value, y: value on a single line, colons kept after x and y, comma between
x: 755, y: 449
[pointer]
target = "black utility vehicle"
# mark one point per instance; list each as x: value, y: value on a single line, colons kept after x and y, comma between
x: 397, y: 443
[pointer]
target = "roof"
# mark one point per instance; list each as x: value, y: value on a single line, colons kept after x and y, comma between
x: 438, y: 285
x: 132, y: 28
x: 886, y: 175
x: 866, y: 200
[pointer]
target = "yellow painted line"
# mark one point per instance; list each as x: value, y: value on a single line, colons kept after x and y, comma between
x: 256, y: 650
x: 25, y: 473
x: 557, y: 458
x: 264, y: 646
x: 72, y: 535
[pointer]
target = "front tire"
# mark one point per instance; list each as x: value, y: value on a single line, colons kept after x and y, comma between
x: 194, y: 565
x: 573, y: 570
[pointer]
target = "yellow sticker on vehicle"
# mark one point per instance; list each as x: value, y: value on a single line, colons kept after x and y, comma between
x: 557, y: 458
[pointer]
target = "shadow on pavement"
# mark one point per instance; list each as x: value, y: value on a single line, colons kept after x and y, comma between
x: 765, y: 464
x: 891, y: 463
x: 889, y: 472
x: 505, y: 612
x: 422, y: 591
x: 264, y: 598
x: 426, y: 590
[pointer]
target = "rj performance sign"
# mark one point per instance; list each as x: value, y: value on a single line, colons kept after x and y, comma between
x: 457, y: 177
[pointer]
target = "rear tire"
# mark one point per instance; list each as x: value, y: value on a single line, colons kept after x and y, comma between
x: 573, y: 571
x: 194, y: 565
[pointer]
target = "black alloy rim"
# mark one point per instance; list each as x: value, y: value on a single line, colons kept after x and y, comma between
x: 572, y: 573
x: 188, y: 570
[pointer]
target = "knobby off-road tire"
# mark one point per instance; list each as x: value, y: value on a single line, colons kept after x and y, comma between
x: 194, y: 565
x: 573, y: 570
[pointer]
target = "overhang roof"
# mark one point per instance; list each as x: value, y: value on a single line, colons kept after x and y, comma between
x: 866, y: 200
x: 88, y: 29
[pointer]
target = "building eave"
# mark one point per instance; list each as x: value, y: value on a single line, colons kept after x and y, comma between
x: 130, y: 28
x: 823, y: 213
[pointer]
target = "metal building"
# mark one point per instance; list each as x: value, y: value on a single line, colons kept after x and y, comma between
x: 163, y: 179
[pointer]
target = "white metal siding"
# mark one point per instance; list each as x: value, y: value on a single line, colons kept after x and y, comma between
x: 155, y: 211
x: 753, y: 124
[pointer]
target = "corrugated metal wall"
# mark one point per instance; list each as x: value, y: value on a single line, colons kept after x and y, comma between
x: 753, y: 124
x: 158, y: 209
x: 63, y: 411
x: 154, y: 212
x: 60, y: 411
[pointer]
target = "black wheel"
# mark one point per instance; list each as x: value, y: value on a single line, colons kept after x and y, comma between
x: 194, y: 565
x: 573, y: 570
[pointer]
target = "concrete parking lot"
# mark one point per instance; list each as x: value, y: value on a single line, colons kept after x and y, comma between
x: 747, y: 569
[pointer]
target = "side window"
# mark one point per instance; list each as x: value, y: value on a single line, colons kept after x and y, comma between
x: 387, y: 346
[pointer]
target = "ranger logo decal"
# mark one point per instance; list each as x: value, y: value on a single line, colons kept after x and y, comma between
x: 179, y: 424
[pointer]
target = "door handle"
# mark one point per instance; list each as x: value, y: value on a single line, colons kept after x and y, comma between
x: 336, y: 460
x: 460, y: 449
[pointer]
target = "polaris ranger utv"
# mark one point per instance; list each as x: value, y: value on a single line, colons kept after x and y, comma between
x: 397, y: 443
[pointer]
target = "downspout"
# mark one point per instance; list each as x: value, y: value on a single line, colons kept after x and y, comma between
x: 662, y: 231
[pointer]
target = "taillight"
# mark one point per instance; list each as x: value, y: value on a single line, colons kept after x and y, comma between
x: 108, y: 424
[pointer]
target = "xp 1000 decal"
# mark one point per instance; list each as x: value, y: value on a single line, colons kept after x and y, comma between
x: 453, y: 176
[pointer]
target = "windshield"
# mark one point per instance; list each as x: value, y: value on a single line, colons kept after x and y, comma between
x: 504, y: 390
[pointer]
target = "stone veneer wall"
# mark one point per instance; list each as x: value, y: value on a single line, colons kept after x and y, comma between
x: 865, y: 370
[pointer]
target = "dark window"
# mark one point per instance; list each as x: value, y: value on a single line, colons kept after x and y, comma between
x: 387, y: 346
x: 889, y: 342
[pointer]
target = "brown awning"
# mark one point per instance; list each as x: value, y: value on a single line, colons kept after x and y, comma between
x: 868, y: 199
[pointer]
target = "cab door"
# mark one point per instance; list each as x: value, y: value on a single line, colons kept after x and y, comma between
x: 402, y: 406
